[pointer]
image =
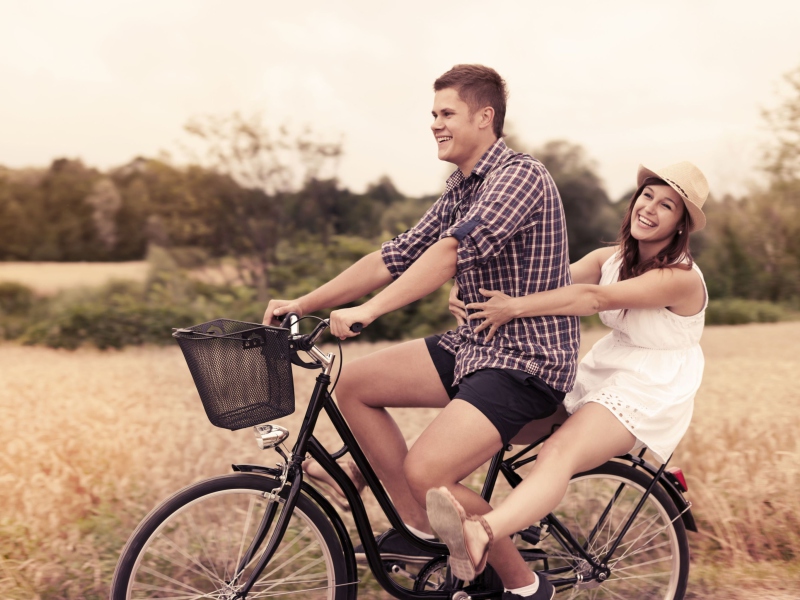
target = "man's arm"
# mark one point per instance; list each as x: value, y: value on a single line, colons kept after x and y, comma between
x: 363, y: 277
x: 428, y: 273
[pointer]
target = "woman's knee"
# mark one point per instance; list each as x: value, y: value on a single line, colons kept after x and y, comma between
x: 555, y: 451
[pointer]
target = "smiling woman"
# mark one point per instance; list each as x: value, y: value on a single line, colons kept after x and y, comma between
x: 634, y: 389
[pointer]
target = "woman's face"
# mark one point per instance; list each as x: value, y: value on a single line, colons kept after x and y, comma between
x: 656, y: 214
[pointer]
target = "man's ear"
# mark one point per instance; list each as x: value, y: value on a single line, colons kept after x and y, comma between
x: 485, y: 117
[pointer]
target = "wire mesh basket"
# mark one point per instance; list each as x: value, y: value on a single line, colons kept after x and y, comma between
x: 242, y: 371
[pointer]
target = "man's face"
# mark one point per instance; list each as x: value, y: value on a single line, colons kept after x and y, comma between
x: 455, y: 130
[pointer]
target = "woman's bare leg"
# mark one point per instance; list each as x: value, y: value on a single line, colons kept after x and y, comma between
x: 589, y: 438
x: 399, y: 376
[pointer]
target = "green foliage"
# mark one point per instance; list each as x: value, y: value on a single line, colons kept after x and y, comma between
x: 17, y: 304
x: 590, y: 217
x: 782, y: 160
x: 753, y: 246
x: 15, y: 299
x: 738, y: 311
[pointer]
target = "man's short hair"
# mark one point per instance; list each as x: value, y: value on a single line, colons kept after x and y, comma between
x: 478, y: 87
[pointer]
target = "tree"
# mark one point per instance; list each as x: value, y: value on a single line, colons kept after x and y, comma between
x: 275, y: 162
x: 782, y: 158
x: 106, y: 202
x: 591, y: 218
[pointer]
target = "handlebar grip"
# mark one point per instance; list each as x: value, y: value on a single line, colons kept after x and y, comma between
x: 356, y: 327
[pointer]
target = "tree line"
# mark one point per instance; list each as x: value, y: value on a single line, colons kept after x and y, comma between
x: 266, y: 202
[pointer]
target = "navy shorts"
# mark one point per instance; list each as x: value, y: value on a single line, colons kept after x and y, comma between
x: 509, y: 398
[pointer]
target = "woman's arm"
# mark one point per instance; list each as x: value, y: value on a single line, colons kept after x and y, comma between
x: 588, y: 269
x: 678, y: 289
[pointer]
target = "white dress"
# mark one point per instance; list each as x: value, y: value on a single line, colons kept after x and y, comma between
x: 646, y: 371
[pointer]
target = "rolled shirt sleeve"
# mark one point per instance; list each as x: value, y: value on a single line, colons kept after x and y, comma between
x: 508, y: 204
x: 400, y: 252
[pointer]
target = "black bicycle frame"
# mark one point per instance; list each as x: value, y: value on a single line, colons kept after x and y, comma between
x: 307, y: 443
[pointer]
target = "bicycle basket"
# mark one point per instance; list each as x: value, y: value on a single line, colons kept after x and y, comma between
x: 242, y: 371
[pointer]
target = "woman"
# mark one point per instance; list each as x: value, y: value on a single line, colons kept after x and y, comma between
x: 636, y: 386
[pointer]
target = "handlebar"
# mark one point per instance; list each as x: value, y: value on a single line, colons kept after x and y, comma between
x: 291, y: 319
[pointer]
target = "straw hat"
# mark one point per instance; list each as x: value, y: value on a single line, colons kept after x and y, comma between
x: 689, y: 182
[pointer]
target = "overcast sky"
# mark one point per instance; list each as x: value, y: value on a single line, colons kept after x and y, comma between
x: 634, y: 82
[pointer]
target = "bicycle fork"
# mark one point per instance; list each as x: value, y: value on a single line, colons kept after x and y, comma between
x: 292, y: 472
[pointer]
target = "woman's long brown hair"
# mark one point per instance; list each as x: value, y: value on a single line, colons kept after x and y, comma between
x: 675, y: 254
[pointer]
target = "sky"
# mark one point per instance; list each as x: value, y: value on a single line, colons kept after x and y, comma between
x: 632, y: 82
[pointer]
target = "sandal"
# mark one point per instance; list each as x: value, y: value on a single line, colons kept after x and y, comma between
x: 447, y: 517
x: 326, y: 482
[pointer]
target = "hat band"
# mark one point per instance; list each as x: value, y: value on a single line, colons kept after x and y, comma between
x: 680, y: 189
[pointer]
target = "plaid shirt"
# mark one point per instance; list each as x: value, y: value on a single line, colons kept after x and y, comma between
x: 509, y: 221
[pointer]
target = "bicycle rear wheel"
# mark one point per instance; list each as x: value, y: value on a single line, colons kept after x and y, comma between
x: 193, y: 544
x: 652, y: 560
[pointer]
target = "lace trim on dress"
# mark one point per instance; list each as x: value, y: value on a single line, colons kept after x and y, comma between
x: 627, y: 414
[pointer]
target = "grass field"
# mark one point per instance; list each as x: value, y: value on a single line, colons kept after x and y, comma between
x: 90, y: 441
x: 50, y: 277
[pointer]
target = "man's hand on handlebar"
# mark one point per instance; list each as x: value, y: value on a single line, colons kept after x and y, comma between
x: 342, y: 320
x: 277, y: 309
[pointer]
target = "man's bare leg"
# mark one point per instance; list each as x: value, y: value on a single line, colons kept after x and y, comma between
x: 459, y: 441
x: 401, y: 376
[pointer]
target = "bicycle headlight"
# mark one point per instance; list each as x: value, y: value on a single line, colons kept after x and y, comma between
x: 269, y: 436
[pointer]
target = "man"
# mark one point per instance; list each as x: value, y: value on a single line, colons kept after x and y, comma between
x: 499, y: 225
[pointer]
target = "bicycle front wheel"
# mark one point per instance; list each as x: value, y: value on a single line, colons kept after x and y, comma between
x: 651, y: 561
x: 195, y: 544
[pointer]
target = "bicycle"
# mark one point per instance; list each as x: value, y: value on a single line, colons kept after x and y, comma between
x: 620, y: 531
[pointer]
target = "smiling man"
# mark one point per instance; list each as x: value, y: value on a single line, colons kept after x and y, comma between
x: 499, y: 225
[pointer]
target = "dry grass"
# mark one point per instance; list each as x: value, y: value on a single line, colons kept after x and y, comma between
x: 50, y: 277
x: 90, y: 440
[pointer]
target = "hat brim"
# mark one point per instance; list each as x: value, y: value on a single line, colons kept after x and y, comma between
x: 698, y: 219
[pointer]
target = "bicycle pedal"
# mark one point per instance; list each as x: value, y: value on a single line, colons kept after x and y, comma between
x: 397, y: 569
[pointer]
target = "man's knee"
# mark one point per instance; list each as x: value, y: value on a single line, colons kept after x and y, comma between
x: 349, y: 388
x: 419, y: 475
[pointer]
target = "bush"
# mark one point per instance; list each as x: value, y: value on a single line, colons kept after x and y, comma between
x: 15, y: 299
x: 738, y: 311
x: 123, y: 322
x: 17, y: 303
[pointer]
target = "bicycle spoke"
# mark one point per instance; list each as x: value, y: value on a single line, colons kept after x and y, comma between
x: 172, y: 580
x: 197, y: 550
x: 201, y: 540
x: 601, y: 504
x: 212, y: 576
x: 291, y: 560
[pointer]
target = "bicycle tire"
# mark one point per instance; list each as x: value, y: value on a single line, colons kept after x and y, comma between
x: 190, y: 545
x: 652, y: 561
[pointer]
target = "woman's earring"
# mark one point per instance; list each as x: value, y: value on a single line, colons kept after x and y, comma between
x: 680, y: 231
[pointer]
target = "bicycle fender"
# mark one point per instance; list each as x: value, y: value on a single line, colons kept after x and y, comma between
x: 341, y: 532
x: 272, y: 471
x: 683, y: 505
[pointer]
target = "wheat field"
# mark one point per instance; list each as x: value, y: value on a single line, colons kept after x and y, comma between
x: 92, y: 440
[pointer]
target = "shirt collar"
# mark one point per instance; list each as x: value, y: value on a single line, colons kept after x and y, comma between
x: 490, y: 159
x: 487, y: 162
